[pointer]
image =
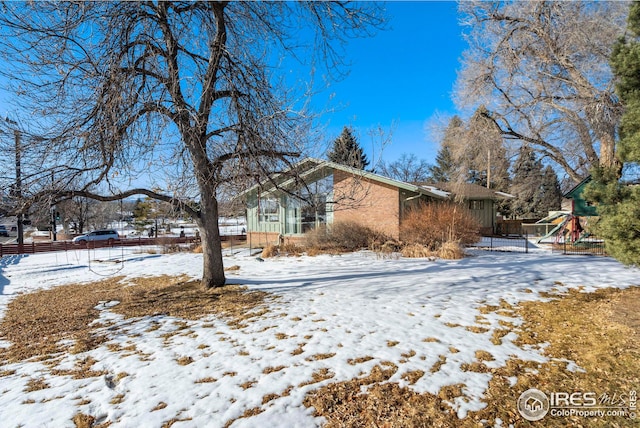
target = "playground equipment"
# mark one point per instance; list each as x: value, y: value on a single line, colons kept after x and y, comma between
x: 568, y: 229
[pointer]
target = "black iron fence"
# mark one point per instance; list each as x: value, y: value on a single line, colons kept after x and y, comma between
x: 42, y: 247
x: 504, y: 243
x: 589, y: 245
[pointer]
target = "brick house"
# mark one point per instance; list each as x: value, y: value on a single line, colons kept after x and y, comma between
x: 321, y: 193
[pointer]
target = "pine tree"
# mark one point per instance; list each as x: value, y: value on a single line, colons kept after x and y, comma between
x: 444, y: 169
x: 618, y: 204
x: 347, y: 151
x: 551, y: 193
x: 142, y: 214
x: 527, y: 186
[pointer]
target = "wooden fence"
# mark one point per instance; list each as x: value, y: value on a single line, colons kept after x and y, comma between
x: 43, y: 247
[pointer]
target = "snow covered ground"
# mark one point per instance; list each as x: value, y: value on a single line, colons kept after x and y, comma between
x: 332, y: 310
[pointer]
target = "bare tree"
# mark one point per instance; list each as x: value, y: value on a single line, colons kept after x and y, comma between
x: 407, y: 168
x: 541, y: 68
x: 477, y: 151
x: 185, y: 92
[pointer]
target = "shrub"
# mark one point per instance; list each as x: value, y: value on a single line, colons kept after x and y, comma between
x: 270, y: 251
x: 451, y: 250
x: 343, y: 237
x: 434, y: 224
x: 417, y: 251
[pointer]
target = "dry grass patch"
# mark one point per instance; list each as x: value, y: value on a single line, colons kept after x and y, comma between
x: 497, y: 335
x: 484, y: 356
x: 34, y: 323
x: 383, y: 404
x: 359, y: 360
x: 161, y: 405
x: 318, y: 376
x: 599, y: 331
x: 318, y: 357
x: 206, y: 380
x: 247, y: 414
x: 184, y: 360
x: 476, y: 329
x: 442, y: 360
x: 83, y: 421
x: 299, y: 350
x: 269, y: 397
x: 36, y: 384
x: 117, y: 399
x: 82, y: 370
x: 413, y: 376
x: 248, y: 384
x: 269, y: 370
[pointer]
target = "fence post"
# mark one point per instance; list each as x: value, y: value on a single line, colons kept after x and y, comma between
x: 526, y: 242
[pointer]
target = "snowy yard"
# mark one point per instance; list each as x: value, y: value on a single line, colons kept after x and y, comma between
x: 336, y: 318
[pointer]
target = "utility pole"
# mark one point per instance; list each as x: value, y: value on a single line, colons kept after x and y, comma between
x: 18, y: 188
x: 16, y: 134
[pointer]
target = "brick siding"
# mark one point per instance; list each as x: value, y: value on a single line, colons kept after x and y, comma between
x: 372, y: 204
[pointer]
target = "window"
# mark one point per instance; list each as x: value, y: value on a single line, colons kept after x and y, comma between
x: 311, y: 208
x: 476, y: 205
x: 269, y: 210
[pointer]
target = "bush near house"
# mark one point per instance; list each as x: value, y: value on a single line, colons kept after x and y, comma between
x: 432, y: 225
x: 344, y: 236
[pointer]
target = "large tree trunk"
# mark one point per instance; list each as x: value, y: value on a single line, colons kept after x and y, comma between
x: 213, y: 269
x: 608, y: 157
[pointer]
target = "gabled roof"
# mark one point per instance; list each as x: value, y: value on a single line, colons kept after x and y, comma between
x: 577, y: 189
x: 309, y: 166
x: 469, y: 190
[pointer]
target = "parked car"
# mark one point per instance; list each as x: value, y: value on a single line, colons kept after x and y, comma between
x: 3, y: 231
x: 97, y: 235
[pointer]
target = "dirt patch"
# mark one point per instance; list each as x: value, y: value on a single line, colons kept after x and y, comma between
x: 597, y: 332
x: 43, y: 323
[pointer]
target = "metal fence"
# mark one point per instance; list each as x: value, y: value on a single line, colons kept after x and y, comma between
x: 588, y: 245
x: 43, y: 247
x: 504, y: 243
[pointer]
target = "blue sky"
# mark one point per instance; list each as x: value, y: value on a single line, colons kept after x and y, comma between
x: 403, y: 75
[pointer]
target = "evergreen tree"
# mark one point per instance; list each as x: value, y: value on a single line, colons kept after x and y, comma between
x: 347, y: 151
x: 527, y: 186
x: 551, y: 193
x: 618, y: 204
x: 142, y: 214
x: 444, y: 169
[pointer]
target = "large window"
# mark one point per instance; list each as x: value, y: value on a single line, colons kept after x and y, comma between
x: 309, y: 210
x: 269, y: 210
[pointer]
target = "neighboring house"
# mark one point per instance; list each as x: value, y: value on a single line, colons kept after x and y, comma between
x: 322, y: 193
x: 480, y: 201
